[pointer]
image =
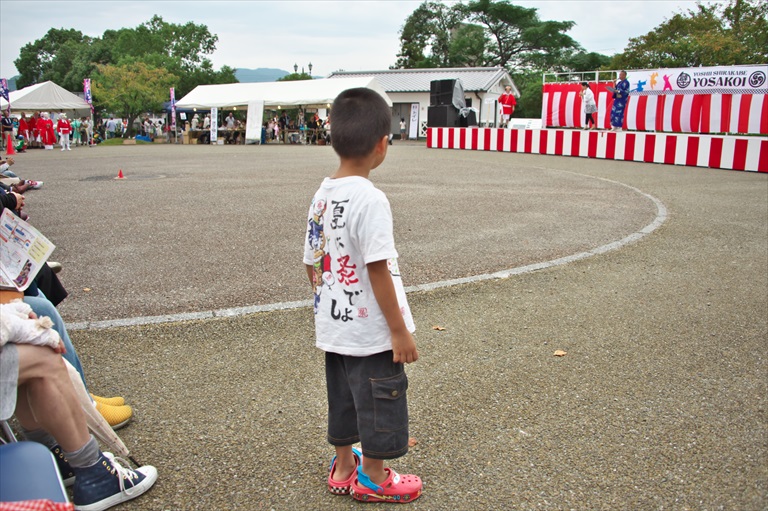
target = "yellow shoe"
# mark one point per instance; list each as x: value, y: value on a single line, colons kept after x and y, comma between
x: 116, y: 416
x: 111, y: 401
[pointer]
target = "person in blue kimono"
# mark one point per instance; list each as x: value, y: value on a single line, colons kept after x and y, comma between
x: 620, y: 97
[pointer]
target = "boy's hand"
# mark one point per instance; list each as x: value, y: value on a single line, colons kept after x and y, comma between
x: 404, y: 348
x: 403, y: 345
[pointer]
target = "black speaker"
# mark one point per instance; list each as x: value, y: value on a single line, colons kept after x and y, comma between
x: 442, y: 116
x: 469, y: 120
x: 441, y: 92
x: 442, y: 85
x: 441, y: 98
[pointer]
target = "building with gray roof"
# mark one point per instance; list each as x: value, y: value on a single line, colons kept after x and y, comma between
x: 409, y: 90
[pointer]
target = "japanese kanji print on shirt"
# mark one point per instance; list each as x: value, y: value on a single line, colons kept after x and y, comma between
x: 350, y: 225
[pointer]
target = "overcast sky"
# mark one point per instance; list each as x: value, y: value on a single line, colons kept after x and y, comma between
x: 353, y: 35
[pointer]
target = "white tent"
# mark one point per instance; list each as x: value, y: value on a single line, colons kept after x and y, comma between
x: 305, y: 93
x: 47, y: 97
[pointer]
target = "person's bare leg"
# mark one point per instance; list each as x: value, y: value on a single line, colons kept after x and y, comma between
x: 345, y: 463
x: 374, y: 469
x: 47, y: 399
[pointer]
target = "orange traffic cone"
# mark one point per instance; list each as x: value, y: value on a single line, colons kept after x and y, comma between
x: 120, y: 175
x: 9, y: 150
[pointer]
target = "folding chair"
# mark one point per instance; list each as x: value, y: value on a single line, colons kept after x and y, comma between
x: 28, y: 471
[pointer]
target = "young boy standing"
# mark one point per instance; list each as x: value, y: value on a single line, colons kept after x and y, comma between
x: 362, y: 318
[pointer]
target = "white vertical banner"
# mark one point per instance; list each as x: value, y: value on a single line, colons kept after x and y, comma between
x: 556, y: 114
x: 735, y: 111
x: 755, y: 109
x: 413, y: 132
x: 214, y: 125
x: 570, y: 102
x: 686, y: 114
x: 253, y: 121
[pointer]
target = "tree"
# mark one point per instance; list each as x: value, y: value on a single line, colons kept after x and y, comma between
x: 429, y: 27
x: 729, y: 33
x: 529, y: 85
x: 295, y: 77
x: 67, y: 56
x: 581, y: 61
x: 49, y: 57
x: 519, y: 38
x: 129, y: 90
x: 467, y: 46
x: 482, y: 33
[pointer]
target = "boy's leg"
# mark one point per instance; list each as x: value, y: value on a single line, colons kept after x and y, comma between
x: 345, y: 463
x: 342, y: 425
x: 342, y: 416
x: 379, y: 386
x: 374, y: 469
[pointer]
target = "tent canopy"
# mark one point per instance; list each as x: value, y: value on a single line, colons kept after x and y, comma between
x: 46, y: 96
x: 305, y: 93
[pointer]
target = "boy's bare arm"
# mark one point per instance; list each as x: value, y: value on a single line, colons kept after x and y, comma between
x: 403, y: 344
x: 310, y: 273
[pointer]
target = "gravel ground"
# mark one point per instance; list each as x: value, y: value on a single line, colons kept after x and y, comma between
x: 660, y: 402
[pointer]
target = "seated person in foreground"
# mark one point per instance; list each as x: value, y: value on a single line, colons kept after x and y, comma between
x: 45, y: 404
x: 9, y: 178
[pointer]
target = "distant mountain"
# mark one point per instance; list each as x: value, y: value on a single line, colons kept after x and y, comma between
x: 261, y: 74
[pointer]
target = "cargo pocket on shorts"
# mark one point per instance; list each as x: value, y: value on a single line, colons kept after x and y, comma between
x: 390, y: 407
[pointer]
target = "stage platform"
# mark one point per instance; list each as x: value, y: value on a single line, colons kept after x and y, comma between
x: 690, y: 149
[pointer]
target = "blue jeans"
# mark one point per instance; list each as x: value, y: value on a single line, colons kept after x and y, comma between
x: 43, y: 307
x: 367, y: 402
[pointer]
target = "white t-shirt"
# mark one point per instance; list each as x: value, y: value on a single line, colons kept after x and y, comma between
x: 350, y: 225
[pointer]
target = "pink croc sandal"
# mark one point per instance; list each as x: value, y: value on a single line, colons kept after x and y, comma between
x: 342, y: 487
x: 397, y: 488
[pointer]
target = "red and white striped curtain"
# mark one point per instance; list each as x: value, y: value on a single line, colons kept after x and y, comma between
x: 679, y: 113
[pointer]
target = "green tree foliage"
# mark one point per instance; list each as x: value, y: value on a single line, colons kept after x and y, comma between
x: 295, y: 77
x: 482, y: 33
x: 49, y: 58
x: 425, y: 39
x: 67, y: 56
x: 735, y: 32
x: 131, y: 89
x: 529, y: 85
x: 488, y: 33
x: 519, y: 38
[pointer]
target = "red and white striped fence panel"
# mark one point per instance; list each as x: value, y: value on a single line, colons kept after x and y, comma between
x: 680, y: 113
x: 714, y: 151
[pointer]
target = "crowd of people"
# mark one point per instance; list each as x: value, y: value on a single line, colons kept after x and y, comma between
x: 277, y: 128
x: 41, y: 130
x: 303, y: 131
x: 34, y: 343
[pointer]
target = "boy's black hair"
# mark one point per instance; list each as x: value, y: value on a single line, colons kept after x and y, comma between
x: 361, y: 118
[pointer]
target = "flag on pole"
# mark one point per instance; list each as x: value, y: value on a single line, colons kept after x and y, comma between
x: 173, y: 109
x: 87, y: 92
x: 5, y: 94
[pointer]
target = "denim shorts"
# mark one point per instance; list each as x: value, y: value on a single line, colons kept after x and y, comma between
x: 367, y: 403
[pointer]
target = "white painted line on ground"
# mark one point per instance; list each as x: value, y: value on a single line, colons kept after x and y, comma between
x: 661, y: 217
